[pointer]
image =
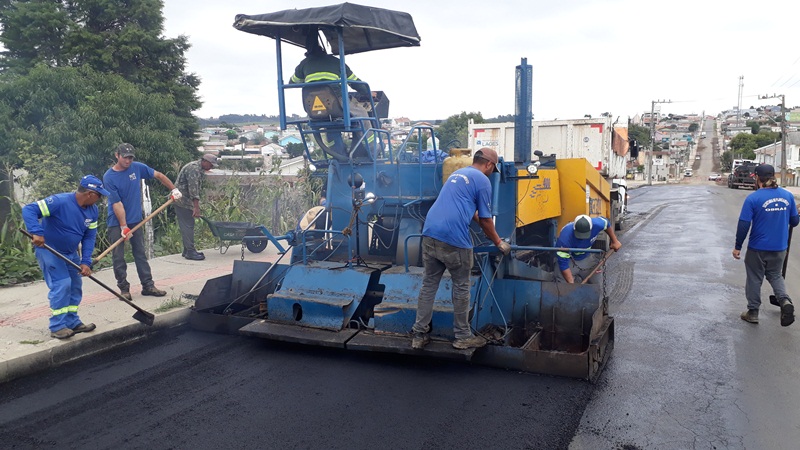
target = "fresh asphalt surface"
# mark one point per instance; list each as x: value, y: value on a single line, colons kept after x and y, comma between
x: 190, y: 389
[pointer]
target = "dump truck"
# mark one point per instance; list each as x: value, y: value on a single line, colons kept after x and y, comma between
x: 600, y: 141
x: 349, y: 274
x: 743, y: 175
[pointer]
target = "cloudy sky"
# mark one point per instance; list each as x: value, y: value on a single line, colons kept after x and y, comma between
x: 588, y: 57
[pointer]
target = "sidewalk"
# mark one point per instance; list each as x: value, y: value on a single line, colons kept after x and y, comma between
x: 25, y: 343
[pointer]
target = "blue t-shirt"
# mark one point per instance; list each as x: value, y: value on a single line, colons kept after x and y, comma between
x: 64, y: 224
x: 770, y: 211
x: 125, y: 187
x: 567, y: 239
x: 467, y: 190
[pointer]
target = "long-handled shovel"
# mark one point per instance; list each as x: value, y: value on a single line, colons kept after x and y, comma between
x: 141, y: 315
x: 772, y: 299
x: 599, y: 264
x: 138, y: 225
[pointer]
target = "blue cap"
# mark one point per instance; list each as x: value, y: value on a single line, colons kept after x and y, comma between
x: 93, y: 183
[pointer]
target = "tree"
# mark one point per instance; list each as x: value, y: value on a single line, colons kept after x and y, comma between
x: 693, y: 127
x: 109, y: 36
x: 456, y: 127
x: 231, y: 134
x: 640, y: 133
x: 78, y: 117
x: 726, y: 161
x: 754, y: 126
x: 294, y: 149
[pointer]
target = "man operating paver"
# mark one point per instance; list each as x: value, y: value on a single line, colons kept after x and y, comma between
x: 466, y: 196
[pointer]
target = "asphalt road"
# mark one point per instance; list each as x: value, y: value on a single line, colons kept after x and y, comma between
x: 195, y: 390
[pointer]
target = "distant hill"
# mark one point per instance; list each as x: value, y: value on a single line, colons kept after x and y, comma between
x: 238, y: 119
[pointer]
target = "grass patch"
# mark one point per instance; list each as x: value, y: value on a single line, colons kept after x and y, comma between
x: 31, y: 342
x: 172, y: 303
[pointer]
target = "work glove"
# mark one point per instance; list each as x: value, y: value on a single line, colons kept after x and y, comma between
x: 175, y: 194
x: 126, y: 232
x: 504, y: 247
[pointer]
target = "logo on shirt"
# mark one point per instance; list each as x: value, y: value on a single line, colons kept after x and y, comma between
x: 454, y: 178
x: 87, y: 222
x: 132, y: 177
x: 50, y: 199
x: 774, y: 204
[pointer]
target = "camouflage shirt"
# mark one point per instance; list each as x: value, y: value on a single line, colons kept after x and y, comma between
x: 189, y: 181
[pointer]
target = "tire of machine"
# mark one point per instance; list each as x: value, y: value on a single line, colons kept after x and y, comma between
x: 256, y: 246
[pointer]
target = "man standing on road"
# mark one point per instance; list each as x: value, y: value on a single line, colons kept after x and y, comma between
x: 123, y: 181
x: 466, y: 196
x: 581, y: 234
x: 770, y: 210
x: 187, y: 208
x: 67, y: 219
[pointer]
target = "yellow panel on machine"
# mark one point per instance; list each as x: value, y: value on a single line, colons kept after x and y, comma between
x: 574, y: 187
x: 538, y: 198
x: 583, y: 190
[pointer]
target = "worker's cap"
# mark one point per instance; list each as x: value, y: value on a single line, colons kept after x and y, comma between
x: 93, y: 183
x: 212, y: 159
x: 489, y: 155
x: 125, y: 150
x: 765, y: 171
x: 583, y: 227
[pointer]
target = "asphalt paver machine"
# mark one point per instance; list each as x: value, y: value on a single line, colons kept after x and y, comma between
x: 354, y: 266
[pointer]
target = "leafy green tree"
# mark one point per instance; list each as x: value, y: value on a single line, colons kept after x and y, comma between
x: 456, y: 127
x: 640, y: 133
x: 294, y: 149
x: 754, y: 126
x: 693, y: 127
x: 232, y: 134
x: 109, y: 36
x: 726, y: 161
x: 79, y: 116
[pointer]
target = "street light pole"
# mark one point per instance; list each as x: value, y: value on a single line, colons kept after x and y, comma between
x: 783, y: 140
x: 649, y: 158
x: 783, y: 133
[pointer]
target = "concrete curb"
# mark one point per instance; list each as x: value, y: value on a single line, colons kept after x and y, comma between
x: 93, y: 343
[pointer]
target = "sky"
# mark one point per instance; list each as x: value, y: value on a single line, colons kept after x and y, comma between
x: 587, y: 57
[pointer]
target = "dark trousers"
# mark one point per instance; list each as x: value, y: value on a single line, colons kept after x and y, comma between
x: 186, y: 225
x: 759, y: 264
x: 139, y: 258
x: 437, y: 257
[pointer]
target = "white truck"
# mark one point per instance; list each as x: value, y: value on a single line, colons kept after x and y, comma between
x: 599, y: 141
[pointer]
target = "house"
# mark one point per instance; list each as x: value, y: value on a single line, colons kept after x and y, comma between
x: 401, y: 122
x: 290, y: 139
x: 272, y: 149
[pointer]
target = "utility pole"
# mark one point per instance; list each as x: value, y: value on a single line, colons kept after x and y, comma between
x: 783, y: 133
x: 649, y: 158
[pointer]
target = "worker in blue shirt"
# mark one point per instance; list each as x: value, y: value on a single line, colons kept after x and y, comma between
x: 62, y: 221
x: 123, y: 181
x: 447, y: 245
x: 767, y: 215
x: 581, y: 233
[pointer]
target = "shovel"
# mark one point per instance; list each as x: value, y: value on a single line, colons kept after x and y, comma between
x: 138, y: 225
x: 141, y: 315
x: 599, y: 264
x: 772, y: 299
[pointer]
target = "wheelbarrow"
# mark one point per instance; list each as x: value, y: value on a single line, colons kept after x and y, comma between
x: 244, y: 232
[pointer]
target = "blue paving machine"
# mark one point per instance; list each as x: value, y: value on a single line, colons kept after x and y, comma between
x: 354, y: 269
